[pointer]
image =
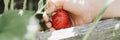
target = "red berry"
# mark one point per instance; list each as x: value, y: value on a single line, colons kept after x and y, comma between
x: 61, y: 20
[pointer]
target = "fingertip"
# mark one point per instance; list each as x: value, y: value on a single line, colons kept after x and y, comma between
x: 48, y: 24
x: 52, y: 29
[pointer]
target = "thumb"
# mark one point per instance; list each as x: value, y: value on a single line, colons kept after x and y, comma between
x: 50, y: 10
x: 54, y: 5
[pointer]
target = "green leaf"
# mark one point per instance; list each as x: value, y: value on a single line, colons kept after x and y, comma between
x: 13, y: 25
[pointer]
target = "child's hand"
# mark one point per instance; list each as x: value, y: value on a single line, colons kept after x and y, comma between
x: 81, y: 11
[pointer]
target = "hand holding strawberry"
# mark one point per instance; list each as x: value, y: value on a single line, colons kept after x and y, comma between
x: 81, y: 11
x: 76, y: 15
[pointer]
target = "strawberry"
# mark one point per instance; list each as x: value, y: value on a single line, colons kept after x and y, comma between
x: 61, y: 20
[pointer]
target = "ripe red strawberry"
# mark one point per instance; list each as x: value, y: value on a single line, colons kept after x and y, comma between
x: 61, y: 20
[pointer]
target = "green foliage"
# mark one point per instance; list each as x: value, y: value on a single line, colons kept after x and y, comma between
x: 41, y: 6
x: 6, y: 2
x: 24, y: 4
x: 13, y: 25
x: 12, y: 5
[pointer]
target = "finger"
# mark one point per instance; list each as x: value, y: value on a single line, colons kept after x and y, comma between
x: 45, y: 17
x: 47, y: 21
x: 50, y: 10
x: 52, y: 29
x: 51, y: 7
x: 54, y: 5
x: 49, y: 25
